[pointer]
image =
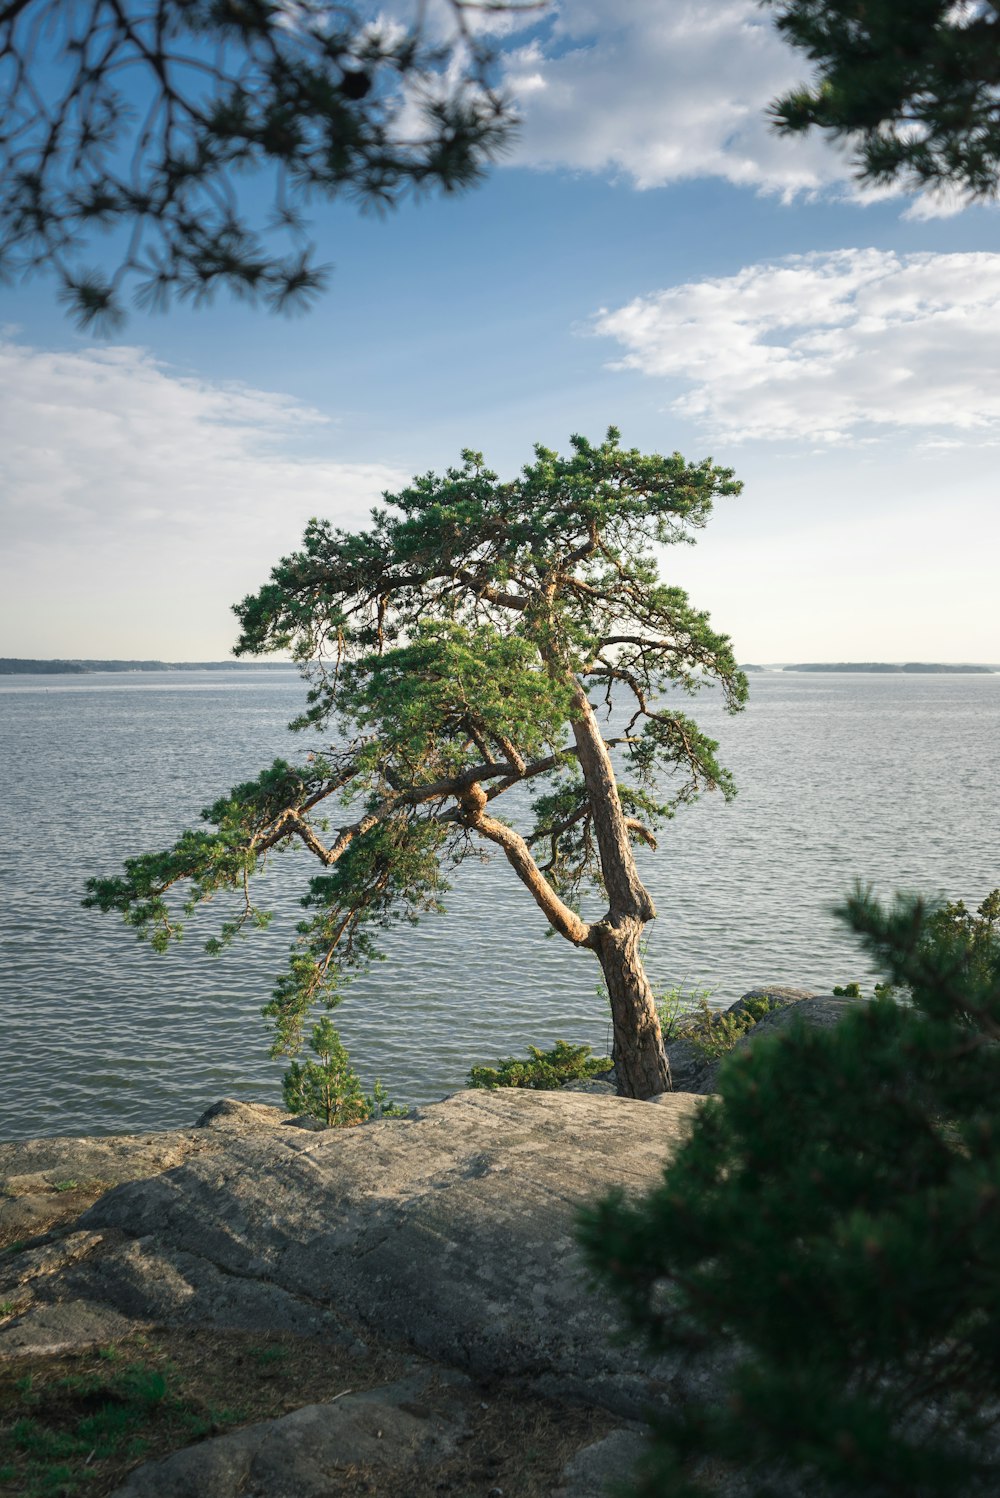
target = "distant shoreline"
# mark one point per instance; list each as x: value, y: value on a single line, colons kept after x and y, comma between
x: 912, y: 668
x: 16, y: 666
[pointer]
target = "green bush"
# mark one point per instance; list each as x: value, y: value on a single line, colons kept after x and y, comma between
x: 675, y: 1003
x: 853, y: 990
x: 542, y: 1070
x: 711, y: 1032
x: 329, y: 1089
x: 833, y: 1224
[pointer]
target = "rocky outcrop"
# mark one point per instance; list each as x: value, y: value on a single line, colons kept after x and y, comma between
x: 451, y: 1232
x: 416, y: 1422
x: 597, y: 1469
x: 779, y: 994
x: 46, y: 1182
x: 818, y: 1011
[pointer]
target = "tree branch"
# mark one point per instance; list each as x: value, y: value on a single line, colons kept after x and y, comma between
x: 291, y: 823
x: 559, y: 915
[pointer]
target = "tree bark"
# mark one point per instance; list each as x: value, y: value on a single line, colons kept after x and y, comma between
x: 641, y: 1064
x: 559, y: 915
x: 628, y: 896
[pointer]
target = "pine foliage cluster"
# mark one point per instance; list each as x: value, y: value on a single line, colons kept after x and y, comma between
x: 833, y: 1224
x: 913, y: 88
x: 328, y: 1088
x: 154, y: 122
x: 711, y: 1033
x: 541, y: 1071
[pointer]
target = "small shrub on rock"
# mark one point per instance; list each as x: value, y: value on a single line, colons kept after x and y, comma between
x: 542, y: 1070
x: 329, y: 1089
x: 832, y: 1227
x: 711, y: 1032
x: 853, y: 991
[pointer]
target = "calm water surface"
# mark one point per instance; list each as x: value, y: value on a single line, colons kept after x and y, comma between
x: 889, y: 778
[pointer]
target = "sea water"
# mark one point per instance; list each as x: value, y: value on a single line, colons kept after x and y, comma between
x: 890, y: 779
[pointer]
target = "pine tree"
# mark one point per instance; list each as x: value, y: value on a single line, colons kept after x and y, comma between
x: 834, y: 1221
x: 913, y: 88
x: 472, y: 641
x: 328, y: 1088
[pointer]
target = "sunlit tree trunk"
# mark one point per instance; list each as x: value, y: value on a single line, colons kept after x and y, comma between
x: 641, y: 1063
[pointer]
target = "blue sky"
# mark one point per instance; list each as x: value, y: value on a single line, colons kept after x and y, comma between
x: 650, y: 256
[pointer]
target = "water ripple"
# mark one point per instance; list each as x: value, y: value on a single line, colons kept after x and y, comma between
x: 888, y: 778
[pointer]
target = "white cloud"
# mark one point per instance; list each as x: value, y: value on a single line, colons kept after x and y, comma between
x: 660, y: 92
x: 656, y: 93
x: 815, y: 346
x: 938, y: 202
x: 151, y: 497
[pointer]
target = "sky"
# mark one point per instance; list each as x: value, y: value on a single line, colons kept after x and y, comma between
x: 649, y: 255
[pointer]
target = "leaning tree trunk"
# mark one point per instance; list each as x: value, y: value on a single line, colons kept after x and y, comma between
x: 641, y: 1064
x: 640, y: 1061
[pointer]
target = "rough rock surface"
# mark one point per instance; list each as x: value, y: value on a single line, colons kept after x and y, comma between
x: 819, y: 1011
x: 45, y: 1182
x: 779, y: 994
x: 452, y: 1232
x: 232, y: 1115
x: 596, y: 1469
x: 687, y: 1066
x: 415, y: 1422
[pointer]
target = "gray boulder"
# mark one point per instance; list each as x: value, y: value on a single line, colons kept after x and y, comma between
x: 233, y: 1115
x: 779, y: 994
x: 597, y: 1470
x: 413, y: 1423
x: 687, y: 1065
x: 818, y: 1011
x: 453, y: 1232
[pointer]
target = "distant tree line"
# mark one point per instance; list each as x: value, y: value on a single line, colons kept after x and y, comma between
x: 889, y: 667
x: 16, y: 666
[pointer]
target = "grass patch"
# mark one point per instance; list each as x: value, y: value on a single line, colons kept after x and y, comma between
x: 74, y: 1426
x: 712, y: 1033
x: 96, y: 1417
x: 268, y: 1357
